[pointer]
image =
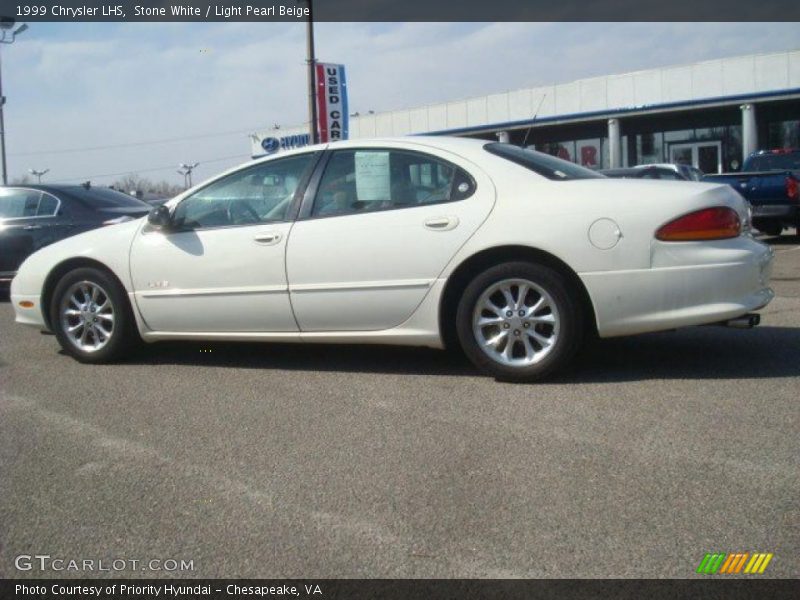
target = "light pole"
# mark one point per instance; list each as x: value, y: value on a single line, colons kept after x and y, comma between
x: 186, y: 171
x: 6, y: 23
x: 38, y: 173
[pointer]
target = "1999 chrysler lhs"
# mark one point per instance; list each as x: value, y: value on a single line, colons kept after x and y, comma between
x: 513, y: 254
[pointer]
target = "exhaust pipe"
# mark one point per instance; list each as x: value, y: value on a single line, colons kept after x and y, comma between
x: 747, y: 321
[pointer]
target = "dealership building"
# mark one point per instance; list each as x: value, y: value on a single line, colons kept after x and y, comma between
x: 710, y: 114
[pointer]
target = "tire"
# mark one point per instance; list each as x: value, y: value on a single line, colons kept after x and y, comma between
x: 92, y: 318
x: 553, y: 333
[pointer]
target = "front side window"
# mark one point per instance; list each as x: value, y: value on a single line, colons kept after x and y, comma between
x: 370, y: 180
x: 15, y: 204
x: 259, y: 194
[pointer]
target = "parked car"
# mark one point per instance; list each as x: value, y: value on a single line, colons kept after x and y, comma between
x: 688, y: 172
x: 770, y: 180
x: 34, y: 216
x: 513, y: 254
x: 657, y: 171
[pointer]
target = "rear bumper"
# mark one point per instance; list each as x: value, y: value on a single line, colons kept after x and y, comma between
x: 672, y: 296
x: 777, y: 212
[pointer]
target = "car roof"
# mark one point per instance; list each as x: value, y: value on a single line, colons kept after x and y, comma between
x: 670, y: 166
x: 53, y: 187
x: 623, y: 171
x: 458, y: 145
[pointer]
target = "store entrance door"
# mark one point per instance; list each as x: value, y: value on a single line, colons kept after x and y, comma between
x: 706, y: 156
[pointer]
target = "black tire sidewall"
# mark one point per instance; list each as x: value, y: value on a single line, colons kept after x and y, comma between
x: 571, y: 326
x: 124, y: 334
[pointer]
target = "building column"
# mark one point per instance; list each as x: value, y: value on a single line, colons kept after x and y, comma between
x: 614, y: 144
x: 503, y: 137
x: 749, y: 130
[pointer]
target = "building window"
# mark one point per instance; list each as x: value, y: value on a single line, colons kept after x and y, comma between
x: 784, y: 134
x: 732, y: 148
x: 649, y: 148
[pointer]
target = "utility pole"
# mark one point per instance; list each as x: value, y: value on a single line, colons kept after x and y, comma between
x: 311, y: 61
x: 6, y: 23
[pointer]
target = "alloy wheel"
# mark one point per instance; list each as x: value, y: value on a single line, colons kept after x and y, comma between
x: 516, y: 322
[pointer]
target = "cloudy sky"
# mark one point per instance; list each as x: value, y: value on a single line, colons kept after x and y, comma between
x: 95, y: 101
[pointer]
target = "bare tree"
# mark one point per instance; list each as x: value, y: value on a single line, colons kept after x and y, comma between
x: 24, y: 180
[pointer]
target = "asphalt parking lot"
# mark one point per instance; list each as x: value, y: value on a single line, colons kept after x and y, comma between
x: 289, y: 461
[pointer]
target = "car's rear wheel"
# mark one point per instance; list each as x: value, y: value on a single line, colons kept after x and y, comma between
x: 91, y: 317
x: 519, y: 321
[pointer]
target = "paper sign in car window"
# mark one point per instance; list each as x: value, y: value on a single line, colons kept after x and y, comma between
x: 372, y: 176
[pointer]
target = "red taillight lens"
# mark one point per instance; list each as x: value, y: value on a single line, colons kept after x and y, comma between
x: 716, y: 223
x: 792, y: 191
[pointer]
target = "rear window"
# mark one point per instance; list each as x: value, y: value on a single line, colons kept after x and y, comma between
x: 107, y: 198
x: 775, y: 162
x: 543, y: 164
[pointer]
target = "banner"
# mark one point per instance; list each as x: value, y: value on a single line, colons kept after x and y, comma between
x: 332, y: 115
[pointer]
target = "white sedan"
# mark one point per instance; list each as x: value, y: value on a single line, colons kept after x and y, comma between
x: 514, y: 255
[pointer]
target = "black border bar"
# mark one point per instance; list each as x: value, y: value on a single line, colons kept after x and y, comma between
x: 401, y: 10
x: 730, y: 588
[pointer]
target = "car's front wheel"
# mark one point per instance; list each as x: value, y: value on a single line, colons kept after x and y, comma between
x: 519, y: 321
x: 91, y: 317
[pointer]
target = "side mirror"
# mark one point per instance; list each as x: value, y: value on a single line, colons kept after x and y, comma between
x: 159, y: 217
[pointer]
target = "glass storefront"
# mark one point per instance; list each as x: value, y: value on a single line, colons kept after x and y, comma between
x: 710, y: 139
x: 784, y: 134
x: 717, y: 148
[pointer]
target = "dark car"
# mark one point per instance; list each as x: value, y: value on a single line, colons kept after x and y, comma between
x: 33, y: 216
x: 649, y: 172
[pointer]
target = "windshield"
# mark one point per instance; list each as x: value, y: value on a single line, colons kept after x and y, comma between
x: 543, y: 164
x: 775, y: 162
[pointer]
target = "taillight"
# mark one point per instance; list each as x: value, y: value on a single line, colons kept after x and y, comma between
x: 792, y: 191
x: 716, y: 223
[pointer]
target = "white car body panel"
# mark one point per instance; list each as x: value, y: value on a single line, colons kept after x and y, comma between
x: 218, y: 279
x: 371, y: 271
x: 380, y: 277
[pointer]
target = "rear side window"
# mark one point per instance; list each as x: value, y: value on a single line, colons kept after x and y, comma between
x: 47, y: 206
x: 775, y: 162
x: 543, y: 164
x: 369, y: 180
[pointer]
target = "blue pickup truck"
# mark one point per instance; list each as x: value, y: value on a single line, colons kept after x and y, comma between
x: 770, y: 180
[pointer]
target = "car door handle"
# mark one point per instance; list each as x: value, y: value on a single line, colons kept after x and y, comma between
x: 267, y: 239
x: 32, y: 227
x: 442, y: 223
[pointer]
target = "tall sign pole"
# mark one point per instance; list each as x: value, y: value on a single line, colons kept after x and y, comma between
x: 312, y: 62
x: 3, y: 131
